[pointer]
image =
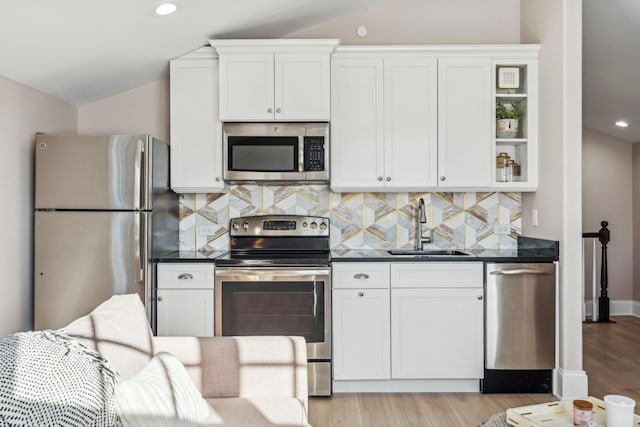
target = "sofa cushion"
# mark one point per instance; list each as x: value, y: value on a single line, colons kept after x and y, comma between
x: 256, y: 412
x: 162, y: 394
x: 119, y: 330
x: 48, y: 378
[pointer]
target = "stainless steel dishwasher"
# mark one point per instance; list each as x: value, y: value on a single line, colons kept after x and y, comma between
x: 520, y: 326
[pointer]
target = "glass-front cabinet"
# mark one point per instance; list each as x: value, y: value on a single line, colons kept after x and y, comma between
x: 515, y: 128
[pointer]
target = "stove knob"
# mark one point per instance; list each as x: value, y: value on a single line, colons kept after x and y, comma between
x: 323, y: 226
x: 304, y: 224
x: 235, y: 226
x: 245, y: 225
x: 314, y: 225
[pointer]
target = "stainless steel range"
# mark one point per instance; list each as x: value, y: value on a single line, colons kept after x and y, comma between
x: 276, y: 280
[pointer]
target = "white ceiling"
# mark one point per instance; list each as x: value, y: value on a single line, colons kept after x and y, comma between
x: 77, y: 52
x: 81, y: 51
x: 611, y: 67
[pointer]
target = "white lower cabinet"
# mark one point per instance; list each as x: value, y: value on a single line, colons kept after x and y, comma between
x: 436, y: 333
x: 184, y: 300
x: 361, y: 334
x: 400, y: 326
x: 185, y: 312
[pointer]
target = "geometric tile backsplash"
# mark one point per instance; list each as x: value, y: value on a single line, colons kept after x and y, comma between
x: 358, y: 220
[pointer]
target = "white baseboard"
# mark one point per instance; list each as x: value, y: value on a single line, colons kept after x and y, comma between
x: 570, y: 384
x: 616, y: 308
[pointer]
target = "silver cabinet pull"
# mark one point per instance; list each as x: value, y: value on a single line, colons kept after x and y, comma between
x: 185, y: 276
x: 217, y: 178
x: 360, y: 294
x: 380, y: 178
x: 388, y: 178
x: 519, y: 271
x: 278, y: 110
x: 361, y: 276
x: 159, y: 298
x: 442, y: 178
x: 480, y: 297
x: 269, y: 110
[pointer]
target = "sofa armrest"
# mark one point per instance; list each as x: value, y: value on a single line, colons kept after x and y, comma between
x: 265, y: 366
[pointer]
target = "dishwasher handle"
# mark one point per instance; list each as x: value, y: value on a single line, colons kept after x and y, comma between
x: 519, y: 271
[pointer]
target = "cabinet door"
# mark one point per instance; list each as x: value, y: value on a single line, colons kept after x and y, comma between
x: 196, y: 131
x: 464, y: 122
x: 246, y: 87
x: 437, y: 333
x: 357, y: 151
x: 185, y: 312
x: 410, y: 123
x: 361, y: 334
x: 302, y: 87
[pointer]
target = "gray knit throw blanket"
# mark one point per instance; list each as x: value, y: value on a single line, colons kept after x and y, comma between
x: 49, y: 379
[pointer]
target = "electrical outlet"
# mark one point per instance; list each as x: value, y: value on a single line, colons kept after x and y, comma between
x: 206, y: 230
x: 502, y: 229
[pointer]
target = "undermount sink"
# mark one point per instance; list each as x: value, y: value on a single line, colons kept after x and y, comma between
x: 428, y: 252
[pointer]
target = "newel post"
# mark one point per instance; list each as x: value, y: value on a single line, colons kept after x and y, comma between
x: 603, y: 301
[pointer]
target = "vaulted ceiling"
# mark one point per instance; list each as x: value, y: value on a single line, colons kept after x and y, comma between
x: 81, y: 51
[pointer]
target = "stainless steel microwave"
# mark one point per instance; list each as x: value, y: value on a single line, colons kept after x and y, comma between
x: 276, y: 152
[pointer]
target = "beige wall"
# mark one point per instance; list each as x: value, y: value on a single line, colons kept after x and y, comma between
x: 141, y: 110
x: 23, y: 113
x: 557, y: 26
x: 425, y: 21
x: 607, y: 194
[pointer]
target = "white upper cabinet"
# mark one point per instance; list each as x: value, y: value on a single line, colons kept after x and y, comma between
x: 419, y: 118
x: 383, y: 123
x: 464, y: 122
x: 196, y: 131
x: 274, y: 80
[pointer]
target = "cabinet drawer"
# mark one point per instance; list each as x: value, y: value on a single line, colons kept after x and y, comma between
x: 360, y: 275
x: 187, y: 276
x: 437, y: 274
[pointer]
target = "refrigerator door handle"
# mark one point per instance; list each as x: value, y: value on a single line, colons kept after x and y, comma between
x: 139, y: 242
x: 137, y: 173
x: 519, y: 271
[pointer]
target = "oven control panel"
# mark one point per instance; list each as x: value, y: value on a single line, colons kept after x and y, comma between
x: 279, y: 225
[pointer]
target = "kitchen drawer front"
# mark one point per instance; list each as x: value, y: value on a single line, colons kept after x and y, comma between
x: 437, y: 275
x: 354, y: 275
x: 185, y: 276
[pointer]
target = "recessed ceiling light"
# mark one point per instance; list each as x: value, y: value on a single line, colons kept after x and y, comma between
x: 166, y: 9
x: 622, y: 123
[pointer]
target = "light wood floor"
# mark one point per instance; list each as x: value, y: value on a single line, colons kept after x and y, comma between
x: 611, y: 360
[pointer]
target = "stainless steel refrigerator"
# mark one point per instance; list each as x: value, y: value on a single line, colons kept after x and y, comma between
x: 103, y: 210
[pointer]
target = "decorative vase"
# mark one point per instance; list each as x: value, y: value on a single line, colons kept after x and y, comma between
x: 506, y: 128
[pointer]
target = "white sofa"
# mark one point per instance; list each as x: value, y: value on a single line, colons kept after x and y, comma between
x: 245, y: 381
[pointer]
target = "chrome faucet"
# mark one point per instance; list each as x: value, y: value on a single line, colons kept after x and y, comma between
x: 421, y: 218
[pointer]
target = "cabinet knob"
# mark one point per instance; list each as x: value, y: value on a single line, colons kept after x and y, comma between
x: 185, y: 276
x: 442, y: 178
x: 480, y: 296
x: 360, y: 294
x: 388, y: 178
x: 380, y: 178
x: 361, y: 276
x: 269, y: 110
x: 278, y: 110
x: 217, y: 178
x: 159, y: 298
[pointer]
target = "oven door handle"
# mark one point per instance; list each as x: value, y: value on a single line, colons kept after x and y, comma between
x: 272, y: 273
x: 315, y: 301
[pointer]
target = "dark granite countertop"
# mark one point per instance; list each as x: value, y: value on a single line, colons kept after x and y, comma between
x: 189, y: 256
x: 529, y: 250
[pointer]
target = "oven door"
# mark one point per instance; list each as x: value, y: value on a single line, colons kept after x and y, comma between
x: 276, y: 301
